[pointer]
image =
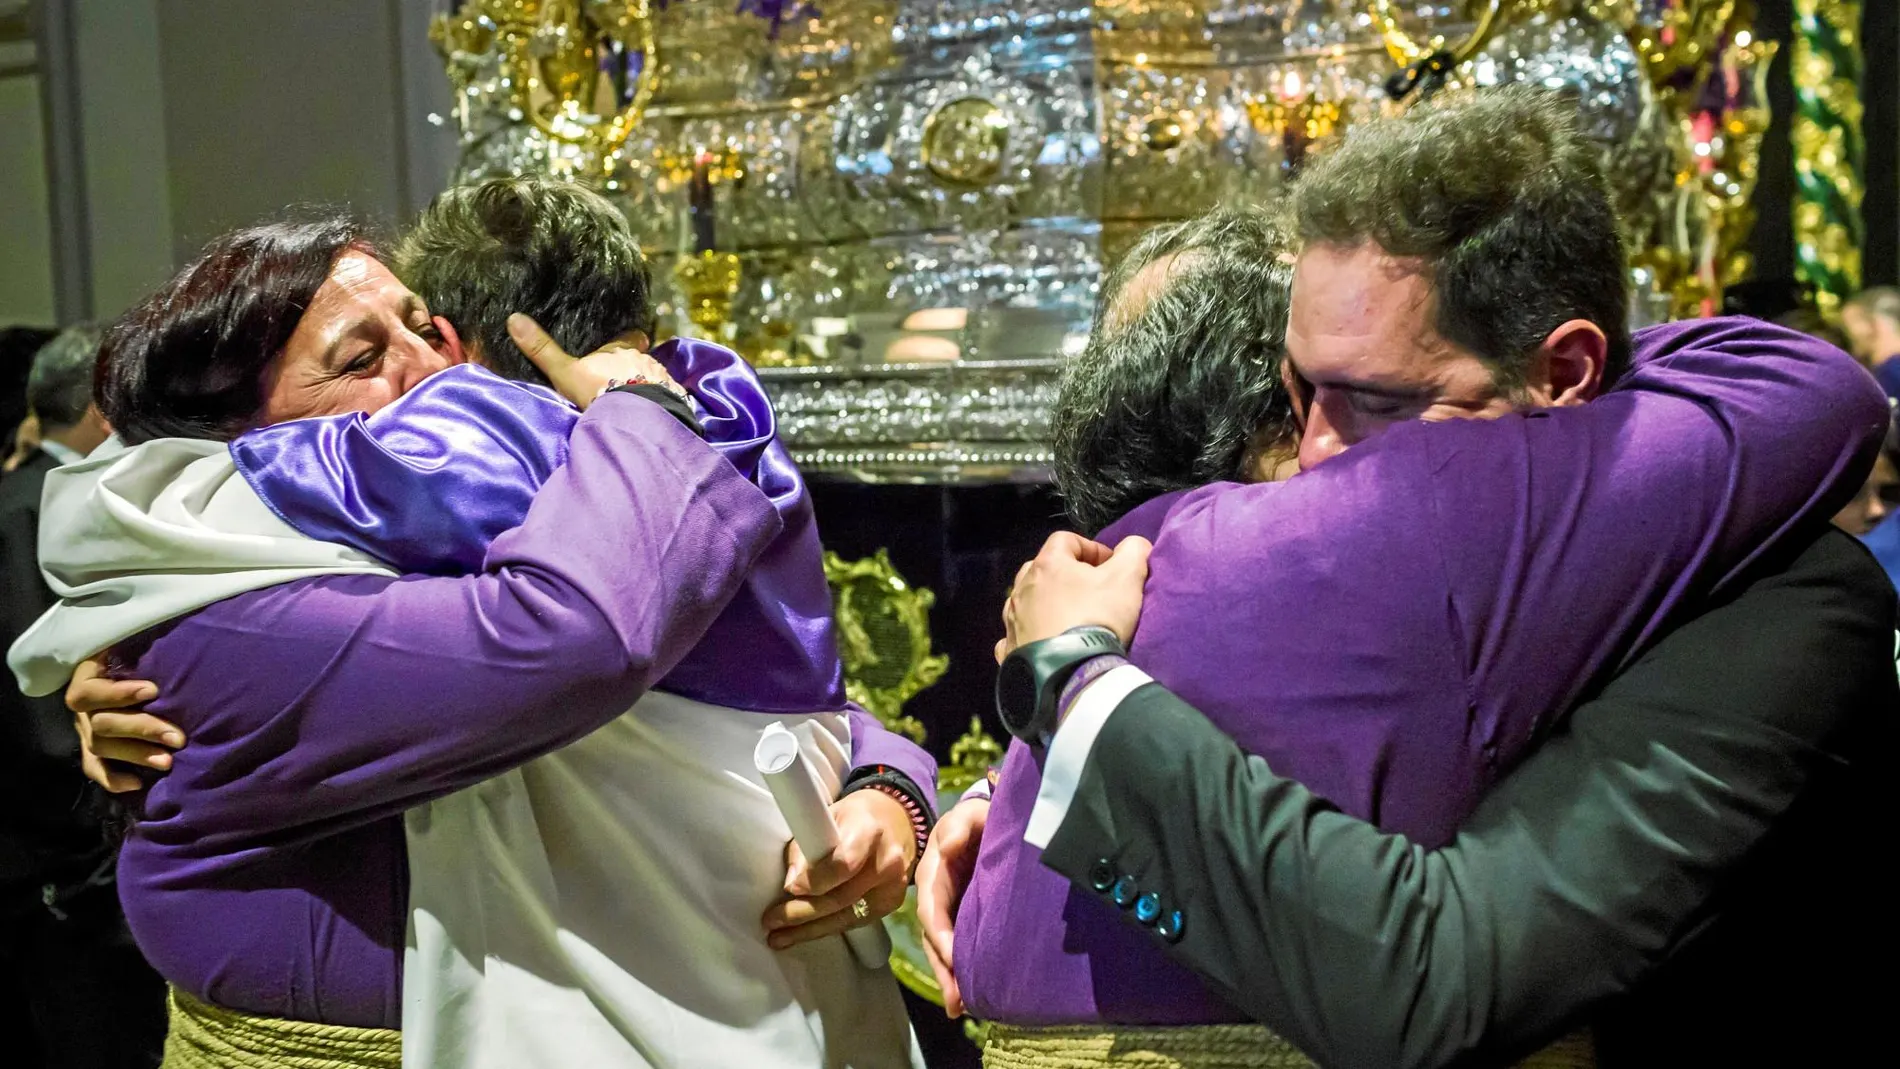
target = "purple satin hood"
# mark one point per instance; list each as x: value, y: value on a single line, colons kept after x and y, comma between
x: 428, y: 482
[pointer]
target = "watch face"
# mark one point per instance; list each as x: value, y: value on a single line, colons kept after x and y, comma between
x: 1016, y: 696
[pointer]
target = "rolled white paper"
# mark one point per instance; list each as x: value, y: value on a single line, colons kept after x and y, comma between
x: 807, y: 810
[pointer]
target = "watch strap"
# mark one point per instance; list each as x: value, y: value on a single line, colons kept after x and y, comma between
x: 1087, y: 672
x: 675, y: 405
x: 1050, y: 663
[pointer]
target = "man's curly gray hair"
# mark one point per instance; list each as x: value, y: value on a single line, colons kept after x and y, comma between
x: 1179, y: 385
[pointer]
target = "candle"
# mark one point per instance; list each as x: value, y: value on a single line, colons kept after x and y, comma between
x: 701, y: 204
x: 1293, y: 105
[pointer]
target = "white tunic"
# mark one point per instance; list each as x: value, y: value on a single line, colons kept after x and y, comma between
x: 601, y: 907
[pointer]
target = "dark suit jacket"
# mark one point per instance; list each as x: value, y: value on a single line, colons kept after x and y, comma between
x: 49, y: 827
x: 1689, y: 862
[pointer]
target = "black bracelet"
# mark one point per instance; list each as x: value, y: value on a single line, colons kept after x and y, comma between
x: 674, y: 404
x: 923, y: 812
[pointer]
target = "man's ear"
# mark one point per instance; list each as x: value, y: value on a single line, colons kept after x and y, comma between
x: 452, y: 346
x: 1572, y: 357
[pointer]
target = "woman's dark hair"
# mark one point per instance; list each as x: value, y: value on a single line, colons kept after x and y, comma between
x: 1179, y: 385
x: 189, y: 361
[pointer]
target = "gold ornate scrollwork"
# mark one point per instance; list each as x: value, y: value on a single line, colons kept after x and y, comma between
x: 971, y: 758
x: 554, y: 51
x: 1163, y: 131
x: 710, y: 281
x: 1406, y: 50
x: 467, y: 33
x: 561, y: 56
x: 1682, y: 37
x: 1828, y: 149
x: 1707, y: 70
x: 884, y: 638
x: 1731, y: 190
x: 1295, y: 116
x: 1703, y: 68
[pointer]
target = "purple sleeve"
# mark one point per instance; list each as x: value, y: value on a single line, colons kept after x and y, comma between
x: 1727, y: 436
x: 327, y: 703
x: 874, y: 744
x: 1428, y: 602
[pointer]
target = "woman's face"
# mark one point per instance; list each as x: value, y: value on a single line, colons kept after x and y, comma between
x: 364, y: 341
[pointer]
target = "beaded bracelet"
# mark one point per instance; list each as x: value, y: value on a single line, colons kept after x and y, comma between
x: 890, y: 781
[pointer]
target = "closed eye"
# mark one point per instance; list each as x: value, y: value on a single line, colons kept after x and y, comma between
x: 1378, y: 407
x: 369, y: 361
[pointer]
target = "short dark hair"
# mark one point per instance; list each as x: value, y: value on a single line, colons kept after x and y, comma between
x: 189, y: 361
x: 1503, y: 198
x: 59, y: 387
x: 18, y: 346
x: 552, y: 250
x: 1184, y: 388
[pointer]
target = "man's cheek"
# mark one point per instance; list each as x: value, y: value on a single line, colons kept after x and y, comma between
x: 359, y: 395
x: 1298, y: 390
x: 388, y: 389
x: 1491, y: 409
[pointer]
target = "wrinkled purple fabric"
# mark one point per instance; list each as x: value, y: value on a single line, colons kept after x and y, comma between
x: 427, y: 483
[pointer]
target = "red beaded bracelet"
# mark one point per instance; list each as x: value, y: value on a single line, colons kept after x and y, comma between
x: 919, y: 824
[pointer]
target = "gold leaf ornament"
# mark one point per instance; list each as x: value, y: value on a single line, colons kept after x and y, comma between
x: 883, y: 637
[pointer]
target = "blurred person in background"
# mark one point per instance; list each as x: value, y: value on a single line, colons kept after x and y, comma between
x: 18, y: 346
x: 26, y: 441
x: 1870, y: 516
x: 68, y: 967
x: 1874, y: 514
x: 1872, y: 322
x: 1878, y: 497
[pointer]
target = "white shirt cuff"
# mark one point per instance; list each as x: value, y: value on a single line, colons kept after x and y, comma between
x: 1069, y: 750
